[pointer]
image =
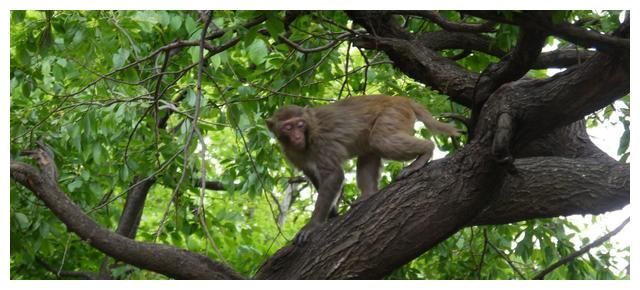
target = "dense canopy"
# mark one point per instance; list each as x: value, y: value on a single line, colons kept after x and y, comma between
x: 139, y: 148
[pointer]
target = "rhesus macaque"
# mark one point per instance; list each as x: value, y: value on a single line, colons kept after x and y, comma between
x: 318, y: 140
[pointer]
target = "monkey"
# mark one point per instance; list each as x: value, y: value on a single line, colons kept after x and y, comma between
x: 318, y: 140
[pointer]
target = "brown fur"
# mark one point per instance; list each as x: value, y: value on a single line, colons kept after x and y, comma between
x: 367, y: 127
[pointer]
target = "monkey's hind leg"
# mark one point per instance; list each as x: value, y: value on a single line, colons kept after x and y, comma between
x: 418, y: 163
x: 403, y: 147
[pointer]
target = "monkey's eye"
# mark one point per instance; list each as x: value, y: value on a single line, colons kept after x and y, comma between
x: 301, y: 124
x: 287, y: 127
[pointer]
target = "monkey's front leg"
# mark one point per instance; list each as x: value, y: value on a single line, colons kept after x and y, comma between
x: 328, y: 194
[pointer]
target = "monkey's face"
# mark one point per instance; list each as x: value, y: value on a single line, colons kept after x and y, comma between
x: 292, y: 132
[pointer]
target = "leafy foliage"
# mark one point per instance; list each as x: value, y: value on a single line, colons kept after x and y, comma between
x: 86, y: 83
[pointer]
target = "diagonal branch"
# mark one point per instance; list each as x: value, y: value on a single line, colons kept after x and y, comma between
x: 567, y: 31
x: 543, y: 104
x: 580, y: 252
x: 413, y: 58
x: 155, y: 257
x: 512, y: 67
x: 559, y: 58
x: 436, y: 18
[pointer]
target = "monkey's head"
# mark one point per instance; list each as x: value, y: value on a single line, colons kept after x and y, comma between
x: 290, y: 127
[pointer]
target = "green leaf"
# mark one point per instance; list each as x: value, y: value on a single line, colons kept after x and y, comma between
x: 23, y: 220
x: 76, y: 138
x: 124, y: 173
x: 97, y: 153
x: 191, y: 97
x: 215, y: 62
x: 176, y: 22
x: 120, y: 58
x: 77, y: 183
x: 44, y: 230
x: 85, y: 175
x: 258, y: 51
x: 165, y: 18
x: 78, y: 37
x: 96, y: 188
x: 120, y: 112
x: 194, y: 52
x: 190, y: 24
x: 624, y: 140
x: 274, y: 25
x: 17, y: 16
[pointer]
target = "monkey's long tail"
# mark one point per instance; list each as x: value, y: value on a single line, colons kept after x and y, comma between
x: 427, y: 118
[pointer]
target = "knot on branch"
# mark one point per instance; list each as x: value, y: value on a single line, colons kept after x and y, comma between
x: 44, y: 156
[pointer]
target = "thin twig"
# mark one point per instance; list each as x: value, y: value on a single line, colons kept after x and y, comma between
x: 574, y: 255
x: 506, y: 258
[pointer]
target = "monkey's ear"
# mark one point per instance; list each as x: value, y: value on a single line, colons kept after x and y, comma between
x: 270, y: 124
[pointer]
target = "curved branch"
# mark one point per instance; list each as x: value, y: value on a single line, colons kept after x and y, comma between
x: 408, y: 217
x: 541, y: 105
x: 560, y: 58
x: 512, y: 67
x: 434, y: 17
x: 567, y: 31
x: 299, y: 48
x: 426, y: 66
x: 162, y: 259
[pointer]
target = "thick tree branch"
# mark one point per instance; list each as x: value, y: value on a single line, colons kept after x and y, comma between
x: 131, y: 215
x: 540, y: 105
x: 395, y: 225
x: 571, y: 141
x: 513, y: 66
x: 439, y: 40
x: 412, y: 215
x: 414, y: 59
x: 133, y: 207
x: 567, y: 31
x: 510, y: 68
x: 556, y: 186
x: 435, y: 17
x: 162, y: 259
x: 560, y: 58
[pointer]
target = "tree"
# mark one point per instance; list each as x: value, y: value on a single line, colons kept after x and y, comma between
x: 125, y: 111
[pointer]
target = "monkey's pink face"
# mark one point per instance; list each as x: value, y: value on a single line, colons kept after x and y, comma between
x: 294, y: 130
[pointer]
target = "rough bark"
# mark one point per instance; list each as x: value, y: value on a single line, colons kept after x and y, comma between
x: 528, y: 157
x: 471, y: 187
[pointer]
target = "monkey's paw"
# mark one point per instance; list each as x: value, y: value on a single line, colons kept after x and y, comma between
x: 406, y: 172
x: 302, y: 237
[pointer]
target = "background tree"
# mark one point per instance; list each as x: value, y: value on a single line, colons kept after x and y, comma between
x: 139, y: 148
